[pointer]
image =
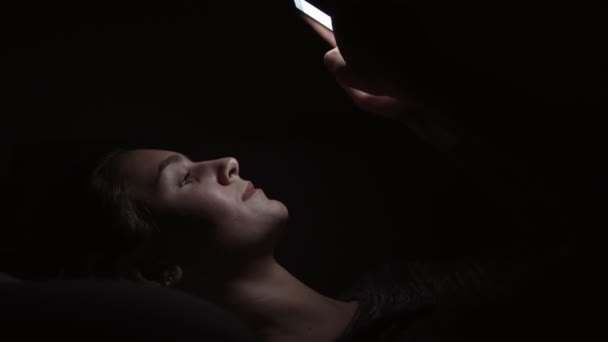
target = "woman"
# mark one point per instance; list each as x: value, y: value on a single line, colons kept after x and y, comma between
x: 197, y: 226
x: 200, y: 228
x: 211, y: 233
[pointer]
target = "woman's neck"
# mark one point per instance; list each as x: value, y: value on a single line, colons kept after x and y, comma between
x: 279, y: 307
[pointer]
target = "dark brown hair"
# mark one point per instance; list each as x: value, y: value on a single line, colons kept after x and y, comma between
x: 127, y: 222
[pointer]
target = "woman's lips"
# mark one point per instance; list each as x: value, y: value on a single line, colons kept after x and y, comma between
x: 249, y: 191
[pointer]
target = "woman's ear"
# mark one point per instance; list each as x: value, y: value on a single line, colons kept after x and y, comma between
x: 171, y: 275
x: 151, y: 272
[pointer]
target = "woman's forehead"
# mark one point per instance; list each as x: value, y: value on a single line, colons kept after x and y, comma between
x: 149, y: 155
x: 142, y: 166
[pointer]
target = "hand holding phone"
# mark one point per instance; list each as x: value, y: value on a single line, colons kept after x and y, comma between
x: 318, y: 20
x: 434, y: 127
x: 377, y: 97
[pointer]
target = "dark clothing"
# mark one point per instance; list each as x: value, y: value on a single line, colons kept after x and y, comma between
x: 468, y: 301
x: 400, y: 294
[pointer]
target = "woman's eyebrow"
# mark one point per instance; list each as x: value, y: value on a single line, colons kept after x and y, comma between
x: 175, y: 158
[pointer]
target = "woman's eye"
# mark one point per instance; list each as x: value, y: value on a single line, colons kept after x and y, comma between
x: 186, y: 180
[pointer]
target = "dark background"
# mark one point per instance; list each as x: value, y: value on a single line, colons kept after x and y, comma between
x: 241, y: 79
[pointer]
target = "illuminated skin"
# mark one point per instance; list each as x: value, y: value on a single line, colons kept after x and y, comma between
x: 233, y: 263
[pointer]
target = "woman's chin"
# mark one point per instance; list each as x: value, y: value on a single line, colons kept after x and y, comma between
x: 277, y: 209
x: 283, y: 212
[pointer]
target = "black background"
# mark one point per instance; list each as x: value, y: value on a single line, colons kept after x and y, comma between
x: 241, y: 79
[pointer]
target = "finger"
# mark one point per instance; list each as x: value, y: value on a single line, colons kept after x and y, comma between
x: 389, y: 108
x: 345, y: 75
x: 385, y: 106
x: 321, y: 30
x: 333, y: 61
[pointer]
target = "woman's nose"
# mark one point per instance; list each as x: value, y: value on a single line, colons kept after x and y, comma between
x: 228, y: 170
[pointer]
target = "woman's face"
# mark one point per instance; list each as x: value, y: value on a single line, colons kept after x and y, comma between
x: 240, y: 218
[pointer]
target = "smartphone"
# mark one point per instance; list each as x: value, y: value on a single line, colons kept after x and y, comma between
x: 318, y: 20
